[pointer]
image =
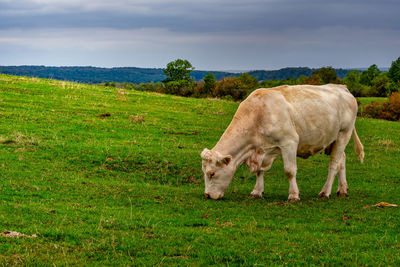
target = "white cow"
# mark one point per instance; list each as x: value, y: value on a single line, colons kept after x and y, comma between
x: 291, y: 121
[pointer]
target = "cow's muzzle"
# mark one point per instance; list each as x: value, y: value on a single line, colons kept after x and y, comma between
x: 214, y: 196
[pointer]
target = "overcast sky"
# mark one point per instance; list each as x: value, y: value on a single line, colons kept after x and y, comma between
x: 212, y: 35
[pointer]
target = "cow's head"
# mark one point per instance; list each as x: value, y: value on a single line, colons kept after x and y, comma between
x: 218, y: 172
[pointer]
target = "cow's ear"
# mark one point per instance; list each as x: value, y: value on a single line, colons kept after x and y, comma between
x: 227, y: 159
x: 204, y: 153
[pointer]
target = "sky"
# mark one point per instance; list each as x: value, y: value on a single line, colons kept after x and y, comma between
x: 212, y: 35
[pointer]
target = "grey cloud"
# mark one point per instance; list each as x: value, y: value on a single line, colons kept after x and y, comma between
x: 213, y: 34
x: 204, y: 16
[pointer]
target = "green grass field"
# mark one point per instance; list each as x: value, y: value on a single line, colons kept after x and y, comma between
x: 105, y: 176
x: 367, y: 100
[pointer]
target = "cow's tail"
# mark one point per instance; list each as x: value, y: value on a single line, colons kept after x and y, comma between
x: 358, y: 146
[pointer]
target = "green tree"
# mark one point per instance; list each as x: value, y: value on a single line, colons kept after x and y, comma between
x: 353, y: 77
x: 394, y: 72
x: 381, y: 85
x: 324, y: 75
x: 367, y: 76
x: 178, y: 70
x: 352, y: 81
x: 249, y: 81
x: 209, y: 82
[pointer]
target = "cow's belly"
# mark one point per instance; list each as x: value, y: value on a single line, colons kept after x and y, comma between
x: 306, y: 151
x: 316, y: 137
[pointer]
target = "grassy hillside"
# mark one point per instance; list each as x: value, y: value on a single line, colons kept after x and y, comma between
x: 106, y: 176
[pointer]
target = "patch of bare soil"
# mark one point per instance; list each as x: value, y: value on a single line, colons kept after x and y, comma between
x: 14, y: 234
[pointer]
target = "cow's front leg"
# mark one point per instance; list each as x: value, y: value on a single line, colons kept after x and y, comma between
x: 290, y: 166
x: 259, y: 187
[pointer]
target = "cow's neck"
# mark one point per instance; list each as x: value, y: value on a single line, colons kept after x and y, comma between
x: 237, y: 144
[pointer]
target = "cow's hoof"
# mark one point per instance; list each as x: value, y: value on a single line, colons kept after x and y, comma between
x: 254, y: 195
x: 294, y: 199
x: 323, y: 195
x: 342, y: 194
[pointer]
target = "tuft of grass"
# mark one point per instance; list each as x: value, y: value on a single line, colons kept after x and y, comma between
x: 137, y: 118
x: 127, y: 189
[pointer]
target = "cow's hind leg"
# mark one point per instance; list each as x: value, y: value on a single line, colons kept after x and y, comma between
x: 335, y: 163
x: 259, y: 187
x: 342, y: 183
x: 290, y: 166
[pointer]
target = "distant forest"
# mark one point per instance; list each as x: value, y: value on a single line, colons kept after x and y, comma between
x: 144, y: 75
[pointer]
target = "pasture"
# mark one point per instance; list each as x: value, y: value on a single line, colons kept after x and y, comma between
x: 105, y: 176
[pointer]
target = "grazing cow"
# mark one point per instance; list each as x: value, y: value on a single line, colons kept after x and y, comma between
x: 291, y: 121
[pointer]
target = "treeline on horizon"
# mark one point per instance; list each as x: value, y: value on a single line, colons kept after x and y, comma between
x: 370, y: 82
x: 145, y: 75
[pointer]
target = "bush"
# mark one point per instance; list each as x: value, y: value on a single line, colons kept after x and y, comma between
x: 230, y: 86
x: 181, y: 88
x: 323, y: 75
x: 386, y: 111
x: 381, y: 85
x: 147, y: 87
x: 248, y: 81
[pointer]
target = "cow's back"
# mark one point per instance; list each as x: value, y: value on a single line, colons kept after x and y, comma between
x: 317, y: 113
